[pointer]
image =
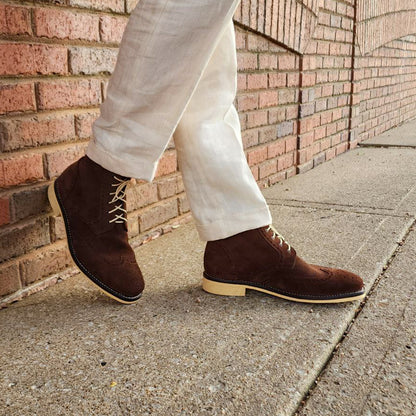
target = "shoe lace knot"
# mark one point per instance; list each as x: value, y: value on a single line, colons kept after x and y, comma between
x: 275, y: 234
x: 120, y: 213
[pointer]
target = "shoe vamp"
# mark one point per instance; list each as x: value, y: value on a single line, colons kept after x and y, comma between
x: 308, y: 279
x: 110, y: 247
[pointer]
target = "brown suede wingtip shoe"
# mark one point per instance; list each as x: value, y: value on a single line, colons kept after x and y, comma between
x: 91, y: 200
x: 262, y: 260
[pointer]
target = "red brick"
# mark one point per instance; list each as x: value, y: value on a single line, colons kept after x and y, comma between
x: 36, y: 131
x: 304, y: 155
x: 183, y: 204
x: 59, y: 160
x: 256, y: 118
x: 112, y: 5
x: 240, y: 37
x: 86, y: 60
x: 278, y: 177
x: 291, y: 144
x: 277, y: 80
x: 21, y: 169
x: 22, y: 59
x: 66, y: 94
x: 167, y: 164
x: 330, y: 154
x: 291, y: 112
x: 285, y: 128
x: 25, y: 237
x: 267, y: 134
x: 341, y: 148
x: 83, y: 124
x: 287, y: 96
x: 9, y: 279
x: 245, y: 13
x: 250, y: 138
x: 241, y: 82
x: 247, y: 102
x: 331, y: 129
x: 257, y: 43
x: 308, y: 79
x: 112, y: 28
x: 57, y: 228
x: 4, y: 211
x: 29, y: 201
x: 276, y: 115
x: 247, y: 60
x: 268, y: 98
x: 141, y: 195
x: 256, y: 81
x: 44, y: 262
x: 293, y: 79
x: 267, y: 168
x: 167, y: 187
x: 256, y: 156
x: 17, y: 97
x: 284, y: 162
x: 287, y: 62
x: 275, y: 149
x: 158, y: 214
x: 306, y: 139
x: 14, y: 20
x: 267, y: 61
x: 320, y: 132
x: 62, y: 24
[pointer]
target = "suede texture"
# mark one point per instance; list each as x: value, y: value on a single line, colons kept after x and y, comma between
x: 255, y: 258
x: 99, y: 248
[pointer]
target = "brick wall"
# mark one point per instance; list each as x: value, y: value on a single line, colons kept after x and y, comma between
x: 315, y: 78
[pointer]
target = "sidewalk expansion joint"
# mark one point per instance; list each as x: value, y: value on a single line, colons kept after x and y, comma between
x: 342, y: 208
x: 387, y: 146
x: 325, y: 365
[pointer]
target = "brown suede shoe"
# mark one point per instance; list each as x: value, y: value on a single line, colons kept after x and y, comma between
x: 262, y: 260
x: 91, y: 200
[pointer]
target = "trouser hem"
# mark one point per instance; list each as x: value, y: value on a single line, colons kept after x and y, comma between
x: 138, y: 169
x: 239, y: 222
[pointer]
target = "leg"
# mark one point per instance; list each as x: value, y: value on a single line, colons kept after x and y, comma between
x: 223, y: 195
x: 164, y: 51
x: 243, y: 251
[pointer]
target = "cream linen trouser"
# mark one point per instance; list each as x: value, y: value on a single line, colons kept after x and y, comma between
x: 176, y: 74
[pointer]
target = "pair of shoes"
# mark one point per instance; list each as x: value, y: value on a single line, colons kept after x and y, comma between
x: 91, y: 200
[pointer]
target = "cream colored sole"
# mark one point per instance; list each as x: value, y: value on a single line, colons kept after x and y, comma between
x: 229, y: 289
x: 57, y: 212
x: 53, y: 201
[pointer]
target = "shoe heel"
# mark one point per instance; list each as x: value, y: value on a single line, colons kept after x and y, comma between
x: 53, y: 201
x: 225, y: 289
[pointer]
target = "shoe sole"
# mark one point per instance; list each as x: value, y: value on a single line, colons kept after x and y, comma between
x: 57, y: 212
x: 236, y: 289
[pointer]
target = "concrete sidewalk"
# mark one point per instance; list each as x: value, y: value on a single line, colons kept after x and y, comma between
x: 71, y: 351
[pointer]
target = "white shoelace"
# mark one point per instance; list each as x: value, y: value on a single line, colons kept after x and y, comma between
x: 119, y: 195
x: 281, y: 238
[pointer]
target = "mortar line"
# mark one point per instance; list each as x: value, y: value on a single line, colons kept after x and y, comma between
x: 357, y: 313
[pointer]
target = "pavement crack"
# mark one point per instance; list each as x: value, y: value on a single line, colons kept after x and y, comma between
x: 358, y: 311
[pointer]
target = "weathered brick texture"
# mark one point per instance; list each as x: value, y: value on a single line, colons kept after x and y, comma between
x: 315, y: 78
